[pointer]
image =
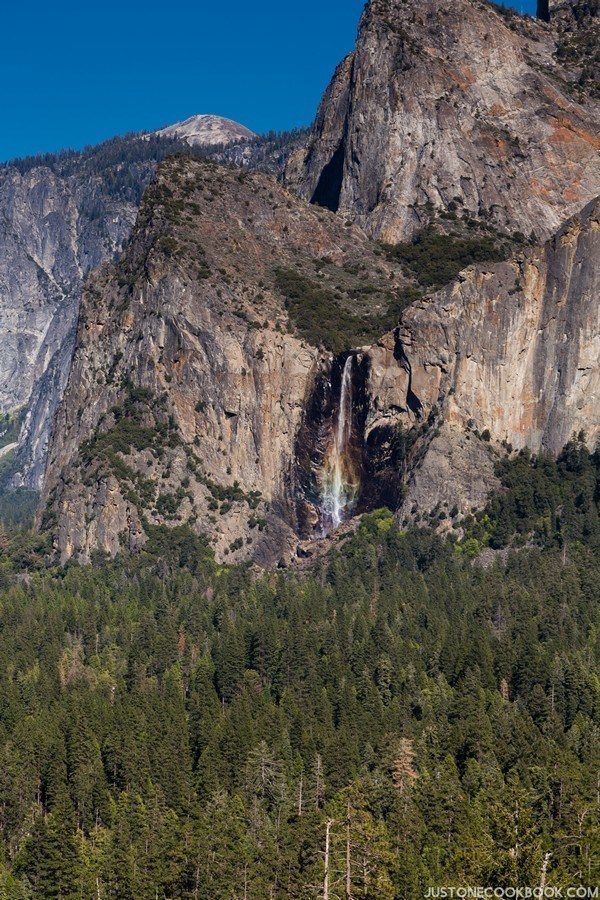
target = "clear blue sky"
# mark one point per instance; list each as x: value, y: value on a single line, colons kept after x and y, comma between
x: 74, y: 73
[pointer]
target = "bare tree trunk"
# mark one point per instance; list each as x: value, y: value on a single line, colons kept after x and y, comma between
x: 327, y: 849
x: 300, y: 798
x: 348, y: 858
x: 318, y: 781
x: 543, y: 872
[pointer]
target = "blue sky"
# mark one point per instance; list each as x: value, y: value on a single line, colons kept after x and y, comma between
x: 76, y: 73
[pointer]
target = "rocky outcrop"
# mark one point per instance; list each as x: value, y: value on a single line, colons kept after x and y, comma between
x: 453, y: 104
x: 190, y: 379
x: 509, y: 351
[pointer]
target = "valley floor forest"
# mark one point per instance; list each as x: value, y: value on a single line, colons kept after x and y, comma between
x: 395, y: 717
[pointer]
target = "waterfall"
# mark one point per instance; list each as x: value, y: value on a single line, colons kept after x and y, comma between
x: 340, y: 480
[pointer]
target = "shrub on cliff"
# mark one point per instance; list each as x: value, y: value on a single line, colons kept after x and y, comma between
x: 435, y: 259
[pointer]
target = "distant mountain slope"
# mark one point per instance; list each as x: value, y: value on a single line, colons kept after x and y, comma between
x: 456, y: 104
x: 60, y: 216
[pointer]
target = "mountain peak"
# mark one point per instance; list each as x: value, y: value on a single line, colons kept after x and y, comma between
x: 203, y: 130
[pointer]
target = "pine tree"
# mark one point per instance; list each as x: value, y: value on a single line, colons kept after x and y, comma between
x: 50, y: 859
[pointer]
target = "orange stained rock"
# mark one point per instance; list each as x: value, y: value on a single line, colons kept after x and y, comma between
x: 566, y: 132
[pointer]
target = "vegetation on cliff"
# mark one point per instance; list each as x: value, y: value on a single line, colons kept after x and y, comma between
x: 321, y: 318
x: 434, y: 258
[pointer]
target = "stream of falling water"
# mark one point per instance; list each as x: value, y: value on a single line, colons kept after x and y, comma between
x: 340, y: 478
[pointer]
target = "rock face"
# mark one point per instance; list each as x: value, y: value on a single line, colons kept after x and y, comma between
x: 202, y: 391
x: 511, y: 351
x: 189, y: 381
x: 54, y: 227
x: 453, y: 103
x: 206, y: 130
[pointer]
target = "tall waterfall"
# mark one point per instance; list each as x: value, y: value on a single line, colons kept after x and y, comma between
x: 340, y: 480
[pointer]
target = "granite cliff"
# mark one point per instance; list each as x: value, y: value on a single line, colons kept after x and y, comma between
x: 261, y: 368
x: 449, y: 104
x: 60, y: 216
x: 510, y: 351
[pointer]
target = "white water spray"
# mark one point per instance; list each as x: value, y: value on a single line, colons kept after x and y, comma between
x: 340, y: 480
